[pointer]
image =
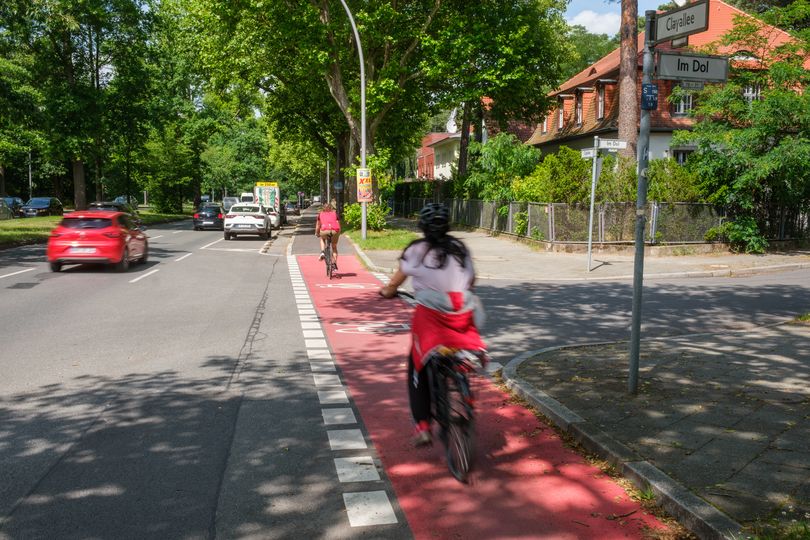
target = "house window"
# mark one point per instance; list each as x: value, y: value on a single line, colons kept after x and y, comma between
x: 752, y: 92
x: 682, y: 106
x: 579, y: 109
x: 681, y: 155
x: 544, y: 129
x: 600, y: 102
x: 560, y: 114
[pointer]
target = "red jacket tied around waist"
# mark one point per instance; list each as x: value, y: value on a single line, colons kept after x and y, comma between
x: 454, y: 328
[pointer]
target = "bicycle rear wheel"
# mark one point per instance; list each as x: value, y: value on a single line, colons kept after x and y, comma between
x: 327, y: 252
x: 459, y: 436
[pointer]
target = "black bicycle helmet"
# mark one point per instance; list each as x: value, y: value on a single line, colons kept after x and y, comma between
x: 434, y: 219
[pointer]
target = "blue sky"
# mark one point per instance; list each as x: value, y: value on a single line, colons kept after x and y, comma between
x: 601, y: 17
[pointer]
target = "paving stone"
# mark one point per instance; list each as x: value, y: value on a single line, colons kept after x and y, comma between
x: 717, y: 461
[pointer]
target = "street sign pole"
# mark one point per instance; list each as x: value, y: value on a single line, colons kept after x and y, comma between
x: 593, y: 196
x: 641, y: 204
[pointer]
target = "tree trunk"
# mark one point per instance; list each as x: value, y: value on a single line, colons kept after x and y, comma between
x: 464, y: 143
x: 99, y: 187
x: 79, y: 195
x: 3, y: 181
x: 478, y: 115
x: 628, y: 76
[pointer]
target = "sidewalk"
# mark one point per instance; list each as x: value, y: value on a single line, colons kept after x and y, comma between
x: 719, y: 430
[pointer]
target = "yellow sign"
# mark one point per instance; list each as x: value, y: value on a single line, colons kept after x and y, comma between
x: 364, y: 190
x: 267, y: 184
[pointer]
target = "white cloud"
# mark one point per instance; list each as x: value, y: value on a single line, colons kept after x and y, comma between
x: 597, y: 23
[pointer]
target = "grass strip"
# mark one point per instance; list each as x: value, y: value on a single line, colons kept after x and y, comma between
x: 387, y: 239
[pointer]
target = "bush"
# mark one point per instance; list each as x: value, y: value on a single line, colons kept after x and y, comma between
x: 375, y: 216
x: 742, y: 234
x: 521, y: 220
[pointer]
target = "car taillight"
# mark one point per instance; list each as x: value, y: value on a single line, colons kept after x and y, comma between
x: 229, y: 216
x: 197, y: 216
x: 112, y: 234
x: 219, y: 216
x: 259, y: 217
x: 55, y: 234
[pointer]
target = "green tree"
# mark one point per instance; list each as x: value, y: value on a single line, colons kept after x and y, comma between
x: 753, y: 149
x: 589, y: 48
x: 501, y: 161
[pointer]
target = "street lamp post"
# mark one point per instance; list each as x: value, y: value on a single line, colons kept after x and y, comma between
x: 362, y: 108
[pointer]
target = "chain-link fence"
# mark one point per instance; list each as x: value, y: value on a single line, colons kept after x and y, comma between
x: 560, y: 222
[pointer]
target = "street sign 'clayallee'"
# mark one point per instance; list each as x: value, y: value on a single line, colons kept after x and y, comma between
x: 682, y: 21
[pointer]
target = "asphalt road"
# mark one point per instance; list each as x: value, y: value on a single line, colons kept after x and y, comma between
x: 175, y: 400
x: 169, y: 401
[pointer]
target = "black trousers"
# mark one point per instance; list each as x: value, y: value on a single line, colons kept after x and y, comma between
x: 418, y: 392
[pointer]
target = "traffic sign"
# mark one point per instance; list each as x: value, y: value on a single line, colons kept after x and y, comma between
x: 267, y: 184
x: 612, y: 144
x: 588, y: 153
x: 649, y: 97
x: 695, y: 67
x: 338, y: 186
x: 683, y: 21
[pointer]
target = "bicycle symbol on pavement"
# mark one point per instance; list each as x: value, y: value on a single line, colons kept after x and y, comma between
x: 372, y: 327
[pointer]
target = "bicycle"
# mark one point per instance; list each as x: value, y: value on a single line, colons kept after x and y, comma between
x: 331, y: 266
x: 452, y: 403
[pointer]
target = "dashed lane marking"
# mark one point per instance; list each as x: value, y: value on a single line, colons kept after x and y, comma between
x: 369, y: 508
x: 145, y: 275
x: 356, y: 469
x: 346, y: 439
x: 337, y: 416
x: 212, y: 243
x: 17, y: 272
x: 183, y: 257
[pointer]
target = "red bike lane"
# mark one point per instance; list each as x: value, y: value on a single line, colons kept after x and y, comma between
x: 525, y: 483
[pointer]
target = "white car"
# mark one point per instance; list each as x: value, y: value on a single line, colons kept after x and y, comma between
x: 275, y: 219
x: 244, y: 218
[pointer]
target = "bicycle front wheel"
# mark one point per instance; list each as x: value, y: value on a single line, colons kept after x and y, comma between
x: 460, y: 429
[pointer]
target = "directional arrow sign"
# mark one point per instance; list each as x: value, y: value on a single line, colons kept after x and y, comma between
x: 694, y: 67
x: 683, y: 21
x: 612, y: 144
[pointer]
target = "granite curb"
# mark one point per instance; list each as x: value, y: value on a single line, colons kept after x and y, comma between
x: 698, y: 516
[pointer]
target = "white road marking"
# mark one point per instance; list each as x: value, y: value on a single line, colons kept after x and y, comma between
x: 313, y: 334
x: 326, y: 379
x: 310, y: 325
x: 306, y: 311
x: 183, y: 257
x: 315, y: 344
x: 176, y: 232
x: 356, y: 469
x: 369, y: 508
x: 337, y: 416
x: 322, y: 366
x: 346, y: 439
x: 155, y: 237
x: 143, y: 276
x: 319, y: 354
x: 212, y: 243
x: 17, y: 272
x: 330, y: 397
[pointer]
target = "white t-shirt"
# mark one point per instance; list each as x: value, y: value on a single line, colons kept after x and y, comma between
x: 427, y: 276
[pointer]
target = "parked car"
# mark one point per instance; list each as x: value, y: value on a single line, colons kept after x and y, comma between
x: 292, y: 209
x: 16, y: 204
x: 275, y: 218
x: 98, y: 236
x: 5, y: 211
x: 209, y: 216
x: 244, y: 218
x: 227, y: 202
x: 43, y: 206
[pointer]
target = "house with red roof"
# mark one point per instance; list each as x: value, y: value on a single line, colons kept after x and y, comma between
x: 437, y: 155
x: 588, y: 102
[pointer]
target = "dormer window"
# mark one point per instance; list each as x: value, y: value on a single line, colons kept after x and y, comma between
x: 579, y: 108
x: 600, y: 102
x: 544, y: 128
x: 560, y: 113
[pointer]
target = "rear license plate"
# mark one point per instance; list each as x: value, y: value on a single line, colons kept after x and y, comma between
x: 243, y: 226
x: 82, y: 250
x: 208, y: 222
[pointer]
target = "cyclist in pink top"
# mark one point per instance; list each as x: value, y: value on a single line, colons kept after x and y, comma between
x: 328, y: 224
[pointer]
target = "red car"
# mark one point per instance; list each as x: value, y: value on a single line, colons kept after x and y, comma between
x: 97, y: 237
